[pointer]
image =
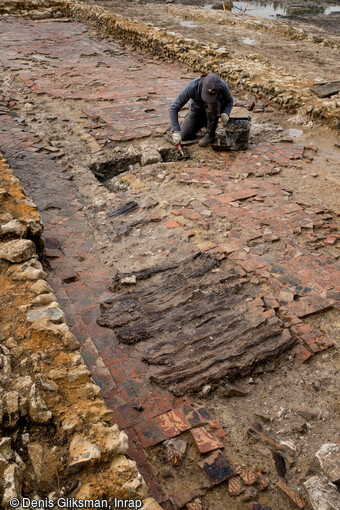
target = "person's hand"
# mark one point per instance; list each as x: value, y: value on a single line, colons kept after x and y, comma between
x: 224, y: 119
x: 176, y: 137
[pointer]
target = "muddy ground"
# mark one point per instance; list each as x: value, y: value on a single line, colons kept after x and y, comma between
x: 247, y: 34
x: 275, y: 392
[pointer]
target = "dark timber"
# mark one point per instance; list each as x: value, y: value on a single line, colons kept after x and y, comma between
x: 195, y: 321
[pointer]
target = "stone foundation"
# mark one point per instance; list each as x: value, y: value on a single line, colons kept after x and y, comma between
x: 56, y: 433
x: 251, y: 72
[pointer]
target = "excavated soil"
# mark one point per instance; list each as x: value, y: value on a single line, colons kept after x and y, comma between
x: 247, y: 35
x: 109, y: 175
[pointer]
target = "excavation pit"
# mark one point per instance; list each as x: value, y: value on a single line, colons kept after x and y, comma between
x: 104, y: 171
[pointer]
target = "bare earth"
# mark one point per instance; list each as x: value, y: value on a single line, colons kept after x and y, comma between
x: 81, y: 134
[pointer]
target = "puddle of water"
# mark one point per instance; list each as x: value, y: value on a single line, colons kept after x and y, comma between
x: 246, y: 40
x: 273, y: 9
x: 189, y: 24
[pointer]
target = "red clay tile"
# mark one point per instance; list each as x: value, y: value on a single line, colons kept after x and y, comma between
x: 194, y: 418
x: 154, y: 404
x: 121, y: 372
x: 235, y: 487
x: 248, y: 476
x: 149, y: 433
x: 136, y: 451
x: 182, y: 496
x: 300, y: 501
x: 216, y: 467
x: 204, y: 414
x: 262, y: 482
x: 139, y: 387
x: 205, y: 441
x: 302, y: 353
x: 154, y: 488
x: 173, y: 423
x: 126, y: 415
x: 172, y: 224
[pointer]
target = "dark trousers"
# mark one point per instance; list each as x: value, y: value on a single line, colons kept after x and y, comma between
x: 196, y: 119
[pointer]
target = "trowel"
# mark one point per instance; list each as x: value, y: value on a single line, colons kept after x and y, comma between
x: 182, y: 154
x: 180, y: 150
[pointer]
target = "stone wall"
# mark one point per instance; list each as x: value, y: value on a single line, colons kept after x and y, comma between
x: 56, y: 433
x: 252, y: 72
x: 34, y: 8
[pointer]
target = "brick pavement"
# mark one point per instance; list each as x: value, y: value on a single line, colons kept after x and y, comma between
x: 118, y: 108
x: 264, y: 242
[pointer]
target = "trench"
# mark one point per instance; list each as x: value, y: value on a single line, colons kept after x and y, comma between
x: 105, y: 170
x: 98, y: 262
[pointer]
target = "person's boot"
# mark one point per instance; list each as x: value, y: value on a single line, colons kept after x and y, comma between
x: 209, y: 136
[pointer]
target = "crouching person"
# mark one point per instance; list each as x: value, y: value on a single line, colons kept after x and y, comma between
x: 210, y: 98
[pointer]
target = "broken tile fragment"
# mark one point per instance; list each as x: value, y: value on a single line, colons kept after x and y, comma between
x: 173, y: 423
x: 300, y: 501
x: 249, y: 494
x: 307, y: 415
x: 216, y: 468
x: 175, y: 451
x: 217, y: 428
x: 248, y: 476
x: 205, y: 441
x: 194, y: 418
x: 232, y: 391
x: 286, y: 296
x: 256, y: 506
x: 235, y: 487
x: 172, y: 456
x: 256, y: 431
x: 302, y: 353
x: 262, y: 482
x: 172, y: 224
x: 183, y: 496
x: 279, y: 464
x: 204, y: 414
x: 194, y: 506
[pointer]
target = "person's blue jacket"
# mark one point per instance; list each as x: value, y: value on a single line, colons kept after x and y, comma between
x: 193, y: 91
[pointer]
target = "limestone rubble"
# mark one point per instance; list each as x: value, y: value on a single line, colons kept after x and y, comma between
x: 56, y: 433
x: 251, y: 72
x: 56, y: 436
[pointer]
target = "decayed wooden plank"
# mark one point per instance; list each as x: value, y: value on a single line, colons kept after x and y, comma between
x: 195, y: 321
